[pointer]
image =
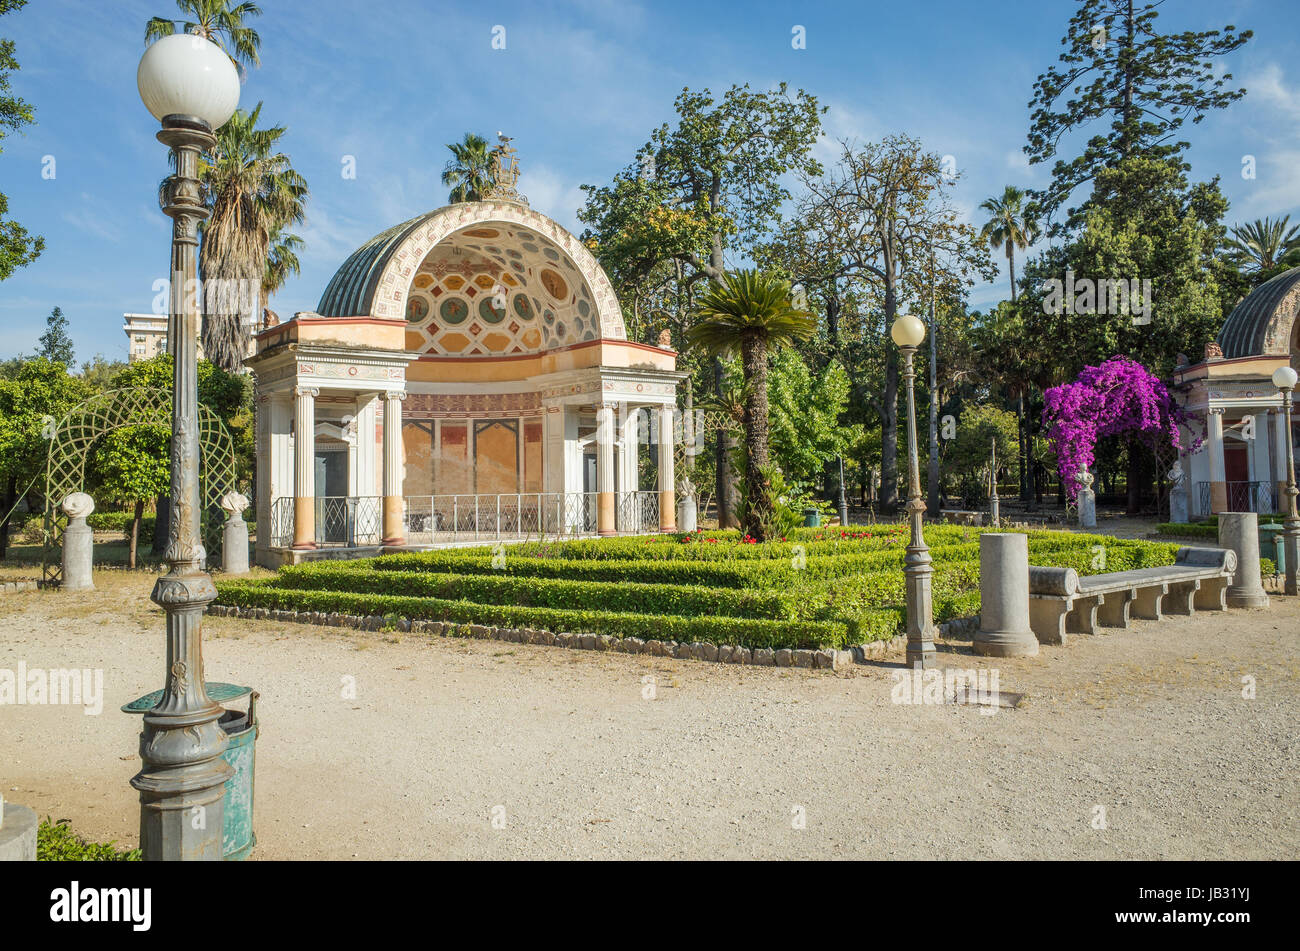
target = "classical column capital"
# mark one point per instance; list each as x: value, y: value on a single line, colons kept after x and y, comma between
x: 1214, y: 411
x: 311, y: 391
x: 395, y: 394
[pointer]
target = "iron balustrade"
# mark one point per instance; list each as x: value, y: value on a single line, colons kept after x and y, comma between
x: 357, y: 522
x: 1241, y: 496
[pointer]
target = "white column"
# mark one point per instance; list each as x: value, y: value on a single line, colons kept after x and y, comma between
x: 393, y: 530
x: 364, y: 479
x: 605, y: 521
x: 667, y: 476
x: 304, y: 469
x: 1218, y: 487
x: 1259, y: 457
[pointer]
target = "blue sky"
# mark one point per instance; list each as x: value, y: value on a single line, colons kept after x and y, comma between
x: 579, y: 87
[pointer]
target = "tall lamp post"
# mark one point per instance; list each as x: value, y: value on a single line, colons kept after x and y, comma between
x: 191, y: 86
x: 1284, y: 378
x: 908, y: 332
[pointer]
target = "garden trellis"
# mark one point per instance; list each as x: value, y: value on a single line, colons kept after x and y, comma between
x: 75, y: 436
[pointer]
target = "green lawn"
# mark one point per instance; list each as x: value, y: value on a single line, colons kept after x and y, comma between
x: 815, y: 588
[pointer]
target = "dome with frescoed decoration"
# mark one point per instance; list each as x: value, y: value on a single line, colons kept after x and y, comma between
x: 479, y: 279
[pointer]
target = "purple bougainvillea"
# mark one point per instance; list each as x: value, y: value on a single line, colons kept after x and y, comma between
x: 1119, y: 397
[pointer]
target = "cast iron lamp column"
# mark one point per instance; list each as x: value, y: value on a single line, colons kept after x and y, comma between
x: 908, y: 332
x: 1284, y: 378
x: 191, y: 86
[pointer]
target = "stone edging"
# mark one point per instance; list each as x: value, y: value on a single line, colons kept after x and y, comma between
x: 824, y: 659
x: 9, y: 587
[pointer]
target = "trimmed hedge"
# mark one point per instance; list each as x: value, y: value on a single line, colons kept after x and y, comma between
x: 751, y: 632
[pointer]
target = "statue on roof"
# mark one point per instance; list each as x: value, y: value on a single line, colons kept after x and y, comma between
x: 505, y: 172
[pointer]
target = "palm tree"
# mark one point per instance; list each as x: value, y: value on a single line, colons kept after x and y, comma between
x: 1262, y: 245
x: 469, y: 173
x: 254, y: 193
x: 751, y: 312
x: 281, y: 261
x: 217, y: 21
x: 1011, y: 224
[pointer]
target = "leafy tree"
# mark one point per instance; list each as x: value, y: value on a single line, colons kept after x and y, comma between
x: 18, y: 247
x: 805, y: 409
x: 1118, y: 69
x: 217, y: 21
x: 281, y: 261
x: 750, y: 312
x: 56, y: 344
x: 98, y: 372
x: 31, y: 403
x: 1263, y: 245
x: 254, y: 193
x: 968, y: 456
x: 1010, y: 225
x: 131, y: 466
x: 470, y: 172
x: 711, y: 185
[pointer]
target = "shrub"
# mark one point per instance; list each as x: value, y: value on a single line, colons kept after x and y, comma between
x: 56, y: 842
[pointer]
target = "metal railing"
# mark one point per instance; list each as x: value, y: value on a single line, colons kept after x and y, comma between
x: 352, y: 522
x: 1241, y: 496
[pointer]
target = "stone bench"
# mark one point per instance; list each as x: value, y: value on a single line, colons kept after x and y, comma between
x: 961, y: 516
x: 1062, y: 603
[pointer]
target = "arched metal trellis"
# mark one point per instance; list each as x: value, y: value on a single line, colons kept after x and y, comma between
x: 65, y: 468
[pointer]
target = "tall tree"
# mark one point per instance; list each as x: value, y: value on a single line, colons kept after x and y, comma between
x: 751, y: 312
x: 875, y: 222
x: 1118, y: 69
x: 469, y: 173
x: 1263, y: 245
x: 18, y: 247
x: 56, y: 344
x: 281, y: 261
x: 254, y: 192
x: 218, y: 22
x: 710, y: 185
x: 1011, y: 224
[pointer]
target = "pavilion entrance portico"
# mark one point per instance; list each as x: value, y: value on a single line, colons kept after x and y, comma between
x: 506, y: 404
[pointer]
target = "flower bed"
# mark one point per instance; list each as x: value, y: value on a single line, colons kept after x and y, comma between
x: 817, y: 588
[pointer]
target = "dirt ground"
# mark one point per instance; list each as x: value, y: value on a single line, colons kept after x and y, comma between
x: 584, y: 755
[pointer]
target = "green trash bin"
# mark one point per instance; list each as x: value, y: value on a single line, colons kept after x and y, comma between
x: 1272, y: 545
x: 811, y: 518
x: 241, y: 726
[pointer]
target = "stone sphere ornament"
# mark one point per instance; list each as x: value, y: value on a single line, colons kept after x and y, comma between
x: 187, y: 75
x: 78, y: 505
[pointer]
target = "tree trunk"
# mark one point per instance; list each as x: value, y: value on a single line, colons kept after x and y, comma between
x: 889, y: 435
x: 1022, y: 424
x: 689, y: 435
x: 758, y: 504
x: 726, y: 482
x: 11, y: 499
x: 1011, y: 266
x: 135, y: 533
x: 1134, y: 501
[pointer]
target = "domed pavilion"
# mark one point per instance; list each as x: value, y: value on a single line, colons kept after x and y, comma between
x: 466, y: 376
x: 1241, y: 467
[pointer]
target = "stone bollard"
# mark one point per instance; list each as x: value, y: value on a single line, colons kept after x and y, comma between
x: 1239, y: 532
x: 687, y: 518
x: 17, y: 833
x: 1004, y: 597
x: 1087, y: 500
x: 234, y: 543
x: 78, y: 543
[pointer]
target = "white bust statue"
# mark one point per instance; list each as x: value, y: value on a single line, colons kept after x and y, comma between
x: 1176, y: 475
x: 234, y: 503
x: 78, y: 505
x: 1084, y: 477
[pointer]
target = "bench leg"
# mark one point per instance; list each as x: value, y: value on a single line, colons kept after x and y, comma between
x: 1114, y: 610
x: 1047, y: 619
x: 1213, y: 595
x: 1147, y: 603
x: 1181, y: 597
x: 1082, y: 618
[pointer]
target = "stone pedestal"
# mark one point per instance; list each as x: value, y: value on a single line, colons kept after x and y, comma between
x: 1004, y: 597
x: 234, y: 547
x: 687, y: 517
x: 1239, y: 532
x: 18, y: 834
x: 78, y: 543
x: 1087, y: 501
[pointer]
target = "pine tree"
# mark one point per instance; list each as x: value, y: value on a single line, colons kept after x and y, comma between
x: 56, y: 344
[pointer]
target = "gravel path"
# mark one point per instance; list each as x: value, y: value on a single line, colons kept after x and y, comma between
x: 722, y: 762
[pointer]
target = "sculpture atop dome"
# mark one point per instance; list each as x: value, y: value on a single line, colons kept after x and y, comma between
x: 505, y: 172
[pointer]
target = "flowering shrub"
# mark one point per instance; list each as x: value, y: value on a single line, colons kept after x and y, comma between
x: 1120, y: 396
